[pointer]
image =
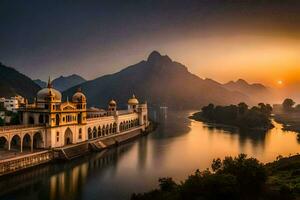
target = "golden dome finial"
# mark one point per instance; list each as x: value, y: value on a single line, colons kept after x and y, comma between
x: 49, y: 83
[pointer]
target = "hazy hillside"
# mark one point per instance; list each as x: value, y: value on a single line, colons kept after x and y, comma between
x: 63, y: 83
x: 160, y: 81
x: 13, y: 82
x: 257, y: 91
x: 41, y: 83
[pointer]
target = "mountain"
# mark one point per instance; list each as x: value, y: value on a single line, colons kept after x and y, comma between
x: 160, y: 81
x: 41, y: 83
x: 14, y: 83
x: 257, y: 91
x: 63, y: 83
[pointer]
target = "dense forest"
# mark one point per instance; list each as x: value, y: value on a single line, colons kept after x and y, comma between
x: 234, y: 178
x: 257, y: 117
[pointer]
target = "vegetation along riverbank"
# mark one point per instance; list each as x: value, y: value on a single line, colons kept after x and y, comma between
x: 234, y: 178
x: 241, y: 116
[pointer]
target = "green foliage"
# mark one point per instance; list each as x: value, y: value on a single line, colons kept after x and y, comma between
x: 288, y: 104
x: 233, y: 178
x: 240, y: 115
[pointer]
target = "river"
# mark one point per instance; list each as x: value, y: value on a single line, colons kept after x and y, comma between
x: 176, y: 149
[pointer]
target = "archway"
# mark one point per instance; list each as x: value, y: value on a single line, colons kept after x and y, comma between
x: 121, y: 126
x: 115, y: 128
x: 38, y: 141
x: 110, y: 128
x: 90, y: 136
x: 103, y: 130
x: 26, y: 142
x: 15, y: 143
x: 3, y: 143
x: 94, y: 132
x: 68, y: 136
x: 99, y: 131
x: 107, y: 129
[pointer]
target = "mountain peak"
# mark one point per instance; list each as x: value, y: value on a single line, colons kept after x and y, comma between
x: 156, y: 57
x: 242, y: 81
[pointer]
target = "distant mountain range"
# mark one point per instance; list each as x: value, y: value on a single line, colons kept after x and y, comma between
x: 14, y: 83
x: 257, y: 91
x: 160, y: 81
x: 63, y: 83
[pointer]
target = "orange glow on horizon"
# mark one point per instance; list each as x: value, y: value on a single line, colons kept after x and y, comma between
x: 256, y: 59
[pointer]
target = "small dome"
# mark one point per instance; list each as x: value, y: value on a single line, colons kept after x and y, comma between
x: 45, y: 93
x: 49, y: 91
x: 78, y: 96
x: 133, y: 101
x: 112, y: 103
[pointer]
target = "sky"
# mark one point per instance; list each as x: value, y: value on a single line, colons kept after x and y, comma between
x: 220, y: 39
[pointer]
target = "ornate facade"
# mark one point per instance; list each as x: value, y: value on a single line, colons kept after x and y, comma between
x: 61, y: 123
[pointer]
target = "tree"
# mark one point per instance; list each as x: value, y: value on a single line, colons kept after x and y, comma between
x: 243, y: 107
x: 288, y: 104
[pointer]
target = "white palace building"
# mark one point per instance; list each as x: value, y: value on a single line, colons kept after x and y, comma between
x: 50, y: 123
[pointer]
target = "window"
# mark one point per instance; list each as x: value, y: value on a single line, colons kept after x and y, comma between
x: 57, y: 136
x: 80, y: 133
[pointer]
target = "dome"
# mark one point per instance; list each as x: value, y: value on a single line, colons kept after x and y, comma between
x: 45, y: 93
x: 133, y: 101
x: 112, y: 103
x: 78, y: 96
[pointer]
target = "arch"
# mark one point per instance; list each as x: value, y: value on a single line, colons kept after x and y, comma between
x: 90, y: 136
x: 41, y: 119
x: 110, y: 128
x: 103, y: 130
x: 15, y: 142
x: 107, y: 129
x: 99, y: 131
x: 121, y: 126
x: 27, y: 142
x: 57, y: 119
x: 94, y: 132
x: 115, y: 127
x: 132, y: 124
x: 68, y: 136
x: 30, y: 120
x: 3, y: 142
x: 38, y: 141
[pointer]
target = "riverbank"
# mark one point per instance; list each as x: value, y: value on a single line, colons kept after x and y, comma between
x: 198, y: 116
x: 234, y: 178
x: 23, y: 162
x: 290, y: 121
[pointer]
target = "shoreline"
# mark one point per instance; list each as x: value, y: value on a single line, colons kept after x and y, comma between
x: 198, y: 117
x: 21, y: 163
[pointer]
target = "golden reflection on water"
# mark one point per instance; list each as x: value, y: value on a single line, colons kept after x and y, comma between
x: 177, y: 148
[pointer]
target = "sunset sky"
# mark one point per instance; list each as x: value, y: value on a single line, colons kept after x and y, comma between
x: 223, y: 40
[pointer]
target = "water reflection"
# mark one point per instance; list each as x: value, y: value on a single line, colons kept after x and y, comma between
x: 177, y: 148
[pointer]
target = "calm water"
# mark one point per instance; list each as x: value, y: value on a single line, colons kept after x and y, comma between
x: 177, y: 148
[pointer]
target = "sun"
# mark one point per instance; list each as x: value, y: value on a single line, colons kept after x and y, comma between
x: 279, y: 82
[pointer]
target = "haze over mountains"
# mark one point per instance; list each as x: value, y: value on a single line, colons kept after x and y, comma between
x: 159, y: 80
x: 14, y: 83
x: 63, y: 83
